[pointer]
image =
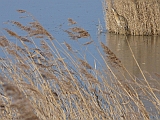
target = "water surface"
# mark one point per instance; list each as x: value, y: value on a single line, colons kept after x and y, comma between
x: 53, y: 16
x: 146, y: 50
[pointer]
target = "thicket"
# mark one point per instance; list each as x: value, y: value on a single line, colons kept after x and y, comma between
x: 142, y: 16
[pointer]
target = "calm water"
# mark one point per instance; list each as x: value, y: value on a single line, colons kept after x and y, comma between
x: 53, y: 15
x: 146, y: 50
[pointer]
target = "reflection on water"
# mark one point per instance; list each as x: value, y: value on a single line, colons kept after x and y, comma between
x: 146, y: 50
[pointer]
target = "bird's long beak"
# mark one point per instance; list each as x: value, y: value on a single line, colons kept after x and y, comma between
x: 113, y: 10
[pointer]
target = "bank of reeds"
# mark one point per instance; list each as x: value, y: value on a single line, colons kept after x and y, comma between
x: 50, y: 81
x: 142, y: 16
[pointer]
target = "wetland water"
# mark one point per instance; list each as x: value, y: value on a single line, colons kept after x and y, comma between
x: 53, y: 16
x: 146, y: 50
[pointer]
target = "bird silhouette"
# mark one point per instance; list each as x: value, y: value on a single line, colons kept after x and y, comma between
x: 121, y: 21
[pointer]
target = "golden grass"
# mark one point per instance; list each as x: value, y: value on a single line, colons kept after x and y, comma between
x: 38, y: 83
x: 142, y: 16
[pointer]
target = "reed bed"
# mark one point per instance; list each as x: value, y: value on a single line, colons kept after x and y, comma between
x: 50, y: 81
x: 142, y: 16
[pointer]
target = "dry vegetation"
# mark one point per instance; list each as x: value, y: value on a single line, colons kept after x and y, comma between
x: 142, y: 16
x: 37, y: 83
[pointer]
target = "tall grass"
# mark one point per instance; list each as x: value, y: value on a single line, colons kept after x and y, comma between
x: 142, y: 16
x: 50, y: 81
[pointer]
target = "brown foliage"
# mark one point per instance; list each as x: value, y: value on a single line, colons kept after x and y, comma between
x: 44, y: 81
x: 142, y: 16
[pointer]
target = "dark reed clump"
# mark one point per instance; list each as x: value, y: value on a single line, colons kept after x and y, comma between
x: 19, y: 103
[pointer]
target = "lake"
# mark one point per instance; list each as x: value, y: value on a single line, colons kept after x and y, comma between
x: 54, y: 14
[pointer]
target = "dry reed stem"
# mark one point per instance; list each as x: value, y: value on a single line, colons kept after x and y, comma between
x: 3, y: 41
x: 18, y: 24
x: 23, y: 66
x: 71, y: 21
x: 11, y: 33
x: 85, y: 64
x: 89, y: 77
x: 68, y: 46
x: 21, y: 11
x: 77, y: 32
x: 35, y: 29
x: 87, y: 43
x: 111, y: 56
x: 44, y: 45
x: 24, y: 39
